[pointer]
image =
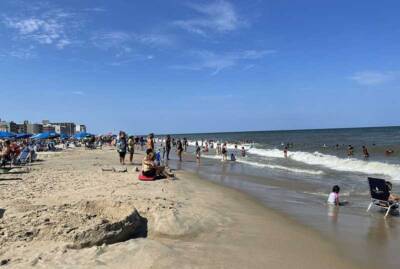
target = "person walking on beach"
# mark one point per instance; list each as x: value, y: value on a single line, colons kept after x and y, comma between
x: 121, y: 147
x: 179, y: 149
x: 365, y: 152
x: 168, y: 146
x: 131, y: 148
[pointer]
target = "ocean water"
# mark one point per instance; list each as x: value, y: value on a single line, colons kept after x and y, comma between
x: 298, y: 185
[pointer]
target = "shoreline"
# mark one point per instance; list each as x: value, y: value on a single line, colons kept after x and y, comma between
x: 191, y: 223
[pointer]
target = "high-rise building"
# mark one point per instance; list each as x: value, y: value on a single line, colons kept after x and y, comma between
x: 48, y: 128
x: 34, y: 128
x: 80, y: 128
x: 68, y: 127
x: 8, y: 126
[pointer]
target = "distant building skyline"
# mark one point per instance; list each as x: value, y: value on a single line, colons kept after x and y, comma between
x: 68, y: 128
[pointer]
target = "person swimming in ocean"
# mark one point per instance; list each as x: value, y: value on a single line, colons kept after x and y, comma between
x: 285, y: 151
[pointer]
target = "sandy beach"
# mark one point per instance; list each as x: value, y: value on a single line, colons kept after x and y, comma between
x: 68, y: 213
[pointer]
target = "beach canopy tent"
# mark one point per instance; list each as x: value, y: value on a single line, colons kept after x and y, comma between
x: 23, y: 136
x: 82, y: 135
x: 7, y: 135
x: 64, y: 136
x: 47, y: 135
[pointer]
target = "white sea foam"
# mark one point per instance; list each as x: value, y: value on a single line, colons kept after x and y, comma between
x: 271, y: 166
x: 333, y: 162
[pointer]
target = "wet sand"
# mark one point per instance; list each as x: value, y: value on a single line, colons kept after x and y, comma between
x: 66, y: 213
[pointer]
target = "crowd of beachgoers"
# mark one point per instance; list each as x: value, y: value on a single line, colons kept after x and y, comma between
x: 15, y: 151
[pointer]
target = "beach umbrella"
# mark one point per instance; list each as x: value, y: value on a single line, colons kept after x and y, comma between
x: 81, y: 135
x: 7, y: 135
x: 23, y: 136
x: 64, y: 136
x: 47, y: 135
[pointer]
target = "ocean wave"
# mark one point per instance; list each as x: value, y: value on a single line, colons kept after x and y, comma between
x: 271, y: 166
x: 333, y: 162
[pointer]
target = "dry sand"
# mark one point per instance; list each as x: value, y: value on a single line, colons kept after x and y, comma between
x: 68, y: 213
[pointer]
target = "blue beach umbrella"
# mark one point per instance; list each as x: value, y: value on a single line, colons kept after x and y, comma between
x: 81, y: 135
x: 23, y: 136
x: 47, y: 135
x: 7, y: 135
x: 64, y: 136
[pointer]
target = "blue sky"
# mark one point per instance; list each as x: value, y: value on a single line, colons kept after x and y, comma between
x: 199, y: 66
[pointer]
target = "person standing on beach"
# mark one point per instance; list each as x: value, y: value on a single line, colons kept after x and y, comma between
x: 224, y: 152
x: 179, y: 149
x: 168, y: 146
x: 131, y: 148
x: 185, y: 144
x: 121, y: 147
x: 198, y: 152
x: 141, y: 143
x: 150, y: 142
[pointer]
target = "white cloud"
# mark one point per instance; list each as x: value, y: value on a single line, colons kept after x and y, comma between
x: 124, y: 42
x: 20, y: 53
x: 95, y: 9
x: 49, y: 28
x: 370, y: 78
x: 218, y: 62
x: 218, y: 16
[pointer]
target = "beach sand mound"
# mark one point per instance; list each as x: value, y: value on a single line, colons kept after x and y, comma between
x: 80, y: 225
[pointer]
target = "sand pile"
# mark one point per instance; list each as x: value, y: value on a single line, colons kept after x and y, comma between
x: 82, y: 224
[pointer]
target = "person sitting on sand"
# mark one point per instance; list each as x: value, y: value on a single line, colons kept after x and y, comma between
x: 333, y: 198
x: 149, y: 167
x: 5, y: 154
x: 393, y: 197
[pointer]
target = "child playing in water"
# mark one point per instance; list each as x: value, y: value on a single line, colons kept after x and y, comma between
x: 333, y: 198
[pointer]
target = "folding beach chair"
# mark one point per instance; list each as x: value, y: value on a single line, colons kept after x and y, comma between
x: 23, y: 158
x: 380, y: 195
